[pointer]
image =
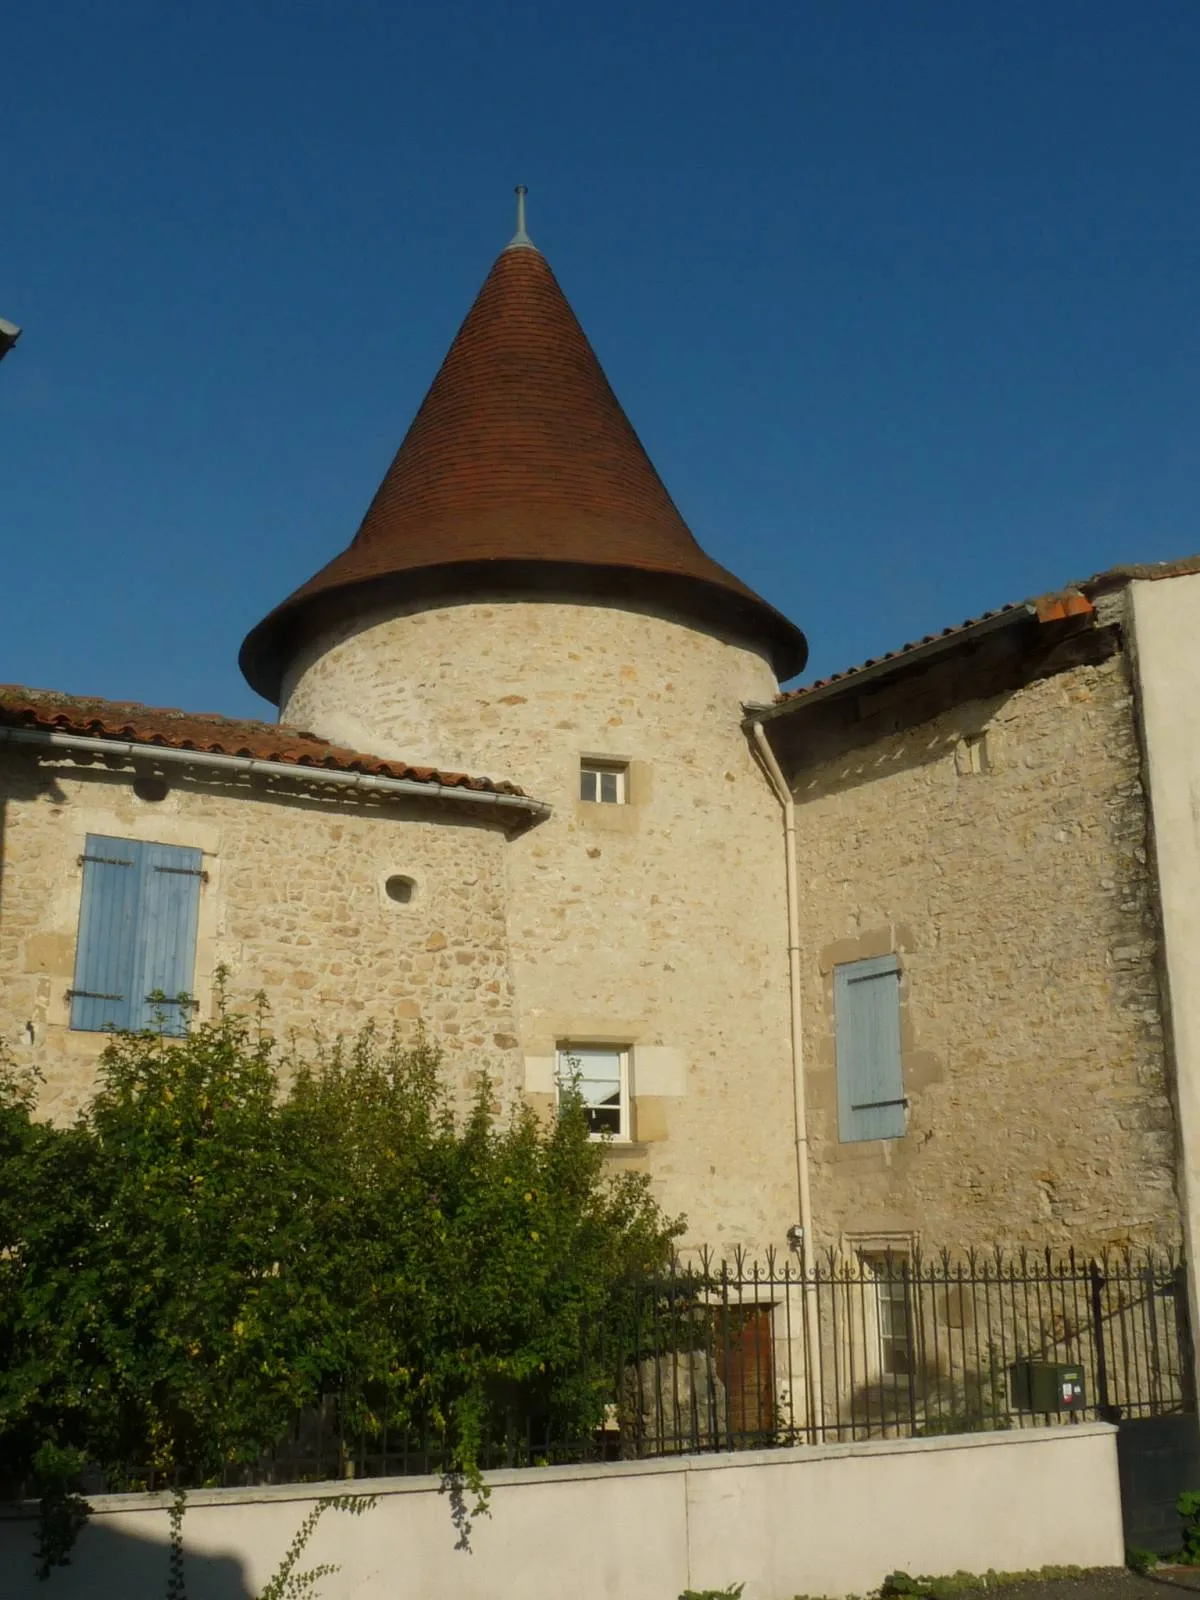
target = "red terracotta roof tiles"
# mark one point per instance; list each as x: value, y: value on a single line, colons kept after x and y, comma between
x: 1073, y: 601
x: 519, y: 466
x: 128, y: 721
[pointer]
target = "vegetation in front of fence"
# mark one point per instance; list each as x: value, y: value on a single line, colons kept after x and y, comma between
x: 1188, y: 1555
x: 228, y: 1236
x: 285, y: 1583
x: 1188, y: 1507
x: 1140, y: 1560
x: 238, y: 1267
x: 900, y: 1586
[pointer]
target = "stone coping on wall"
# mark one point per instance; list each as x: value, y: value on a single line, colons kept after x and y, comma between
x: 110, y: 1504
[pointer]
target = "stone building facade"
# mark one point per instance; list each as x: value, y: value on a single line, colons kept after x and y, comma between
x: 973, y: 837
x: 990, y: 831
x: 294, y: 903
x: 625, y: 922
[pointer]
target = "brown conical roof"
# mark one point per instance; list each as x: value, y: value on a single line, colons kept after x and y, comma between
x: 519, y: 473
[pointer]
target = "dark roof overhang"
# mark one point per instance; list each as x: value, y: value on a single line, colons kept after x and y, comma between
x: 897, y: 662
x: 280, y: 637
x: 990, y: 656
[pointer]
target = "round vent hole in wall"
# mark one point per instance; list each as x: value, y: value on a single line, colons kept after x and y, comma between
x: 151, y: 788
x: 400, y: 889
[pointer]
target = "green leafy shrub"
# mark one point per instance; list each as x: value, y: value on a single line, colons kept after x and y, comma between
x: 734, y: 1592
x: 1188, y: 1507
x: 949, y: 1586
x: 61, y: 1510
x: 285, y: 1583
x: 977, y: 1402
x: 207, y: 1253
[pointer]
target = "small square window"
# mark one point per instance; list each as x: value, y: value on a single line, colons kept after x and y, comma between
x: 601, y: 1074
x: 604, y: 783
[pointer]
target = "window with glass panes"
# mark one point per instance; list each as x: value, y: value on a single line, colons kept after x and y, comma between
x: 895, y: 1311
x: 601, y: 1074
x: 604, y: 783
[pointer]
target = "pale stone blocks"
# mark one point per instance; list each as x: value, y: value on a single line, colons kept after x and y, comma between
x: 658, y: 925
x: 291, y: 906
x: 1018, y: 898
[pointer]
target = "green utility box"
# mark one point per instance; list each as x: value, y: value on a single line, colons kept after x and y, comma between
x: 1041, y: 1386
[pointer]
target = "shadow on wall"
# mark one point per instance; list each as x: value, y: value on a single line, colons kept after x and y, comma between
x: 109, y: 1563
x: 22, y: 784
x: 918, y: 716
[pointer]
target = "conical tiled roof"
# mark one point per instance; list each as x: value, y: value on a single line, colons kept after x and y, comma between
x: 519, y: 474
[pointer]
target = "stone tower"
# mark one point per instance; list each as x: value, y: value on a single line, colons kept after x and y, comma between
x: 524, y: 599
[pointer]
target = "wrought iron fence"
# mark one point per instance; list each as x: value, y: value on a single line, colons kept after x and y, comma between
x: 879, y: 1345
x: 741, y: 1355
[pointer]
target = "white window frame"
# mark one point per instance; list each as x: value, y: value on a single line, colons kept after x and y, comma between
x: 893, y: 1294
x: 574, y: 1049
x: 598, y: 769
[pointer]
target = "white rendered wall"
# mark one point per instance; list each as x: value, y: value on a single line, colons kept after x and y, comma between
x: 1167, y: 654
x: 830, y: 1520
x: 660, y: 925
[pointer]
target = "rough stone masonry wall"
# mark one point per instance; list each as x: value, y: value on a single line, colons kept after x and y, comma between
x: 658, y: 925
x: 294, y: 905
x: 1019, y: 902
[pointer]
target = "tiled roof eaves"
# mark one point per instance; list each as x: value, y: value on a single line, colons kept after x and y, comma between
x: 1047, y: 608
x: 210, y: 734
x: 909, y: 654
x: 1074, y: 600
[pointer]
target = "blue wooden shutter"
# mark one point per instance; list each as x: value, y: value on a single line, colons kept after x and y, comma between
x: 870, y: 1078
x: 106, y: 954
x: 168, y: 911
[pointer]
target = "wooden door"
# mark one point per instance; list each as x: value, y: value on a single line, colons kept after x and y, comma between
x: 745, y: 1365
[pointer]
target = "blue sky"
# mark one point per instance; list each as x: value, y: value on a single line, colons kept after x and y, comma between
x: 901, y: 297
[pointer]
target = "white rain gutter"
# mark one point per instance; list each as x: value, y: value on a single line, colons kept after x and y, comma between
x: 531, y: 810
x: 783, y: 794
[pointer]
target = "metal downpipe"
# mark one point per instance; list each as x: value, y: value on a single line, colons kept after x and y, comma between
x: 807, y: 1253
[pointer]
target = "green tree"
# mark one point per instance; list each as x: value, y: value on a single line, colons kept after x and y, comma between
x: 229, y: 1235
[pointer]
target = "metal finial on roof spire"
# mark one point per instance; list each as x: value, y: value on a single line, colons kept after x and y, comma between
x: 521, y: 237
